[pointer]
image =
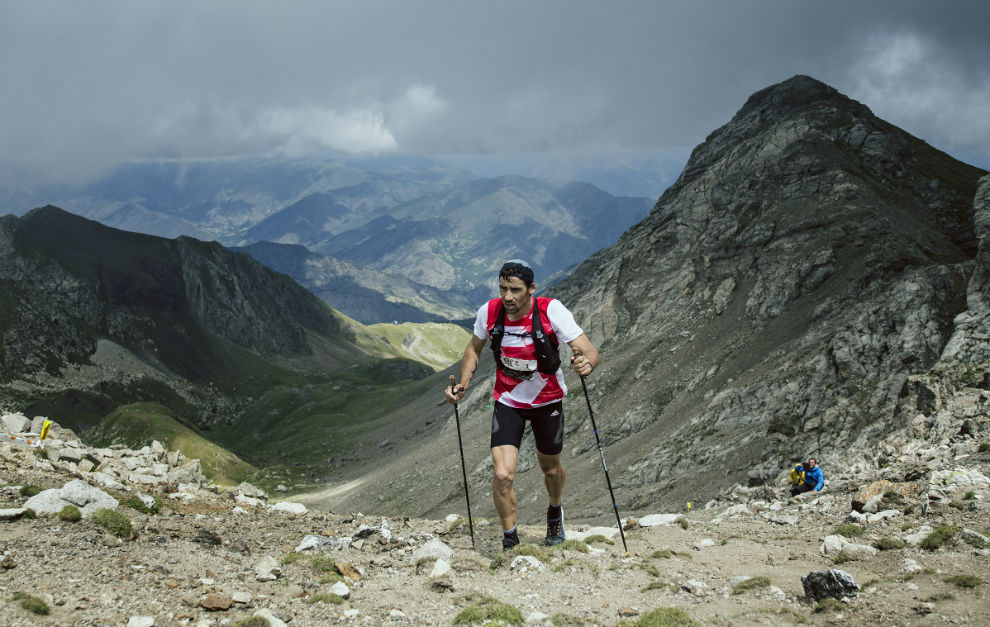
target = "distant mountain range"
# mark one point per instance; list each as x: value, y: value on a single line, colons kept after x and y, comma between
x: 434, y: 225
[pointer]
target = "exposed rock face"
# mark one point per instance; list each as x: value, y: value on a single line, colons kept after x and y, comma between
x: 88, y: 308
x: 809, y: 259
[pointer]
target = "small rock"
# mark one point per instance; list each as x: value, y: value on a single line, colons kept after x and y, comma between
x: 216, y: 603
x: 141, y: 621
x: 627, y: 612
x: 352, y: 613
x: 858, y: 551
x: 856, y: 517
x: 434, y: 548
x: 925, y: 608
x: 525, y: 562
x: 242, y: 597
x: 909, y: 566
x: 653, y: 520
x: 267, y: 569
x: 12, y: 514
x: 340, y: 589
x: 312, y: 542
x: 350, y: 571
x: 695, y: 587
x: 440, y: 568
x: 289, y: 507
x: 703, y: 543
x: 396, y: 614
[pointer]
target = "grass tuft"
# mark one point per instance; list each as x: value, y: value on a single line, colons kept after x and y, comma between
x: 829, y: 605
x: 889, y: 544
x: 134, y: 502
x: 30, y: 490
x: 751, y: 584
x: 940, y: 536
x: 489, y: 609
x: 965, y: 581
x: 662, y: 617
x: 849, y: 530
x: 70, y: 513
x: 32, y: 604
x: 113, y: 521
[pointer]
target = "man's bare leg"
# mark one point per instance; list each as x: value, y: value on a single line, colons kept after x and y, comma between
x: 553, y: 476
x: 504, y: 459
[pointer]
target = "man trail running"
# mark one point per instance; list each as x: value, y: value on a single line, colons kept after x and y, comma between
x: 529, y: 386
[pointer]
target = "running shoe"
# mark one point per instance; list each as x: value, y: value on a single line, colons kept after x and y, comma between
x: 510, y: 541
x: 555, y: 528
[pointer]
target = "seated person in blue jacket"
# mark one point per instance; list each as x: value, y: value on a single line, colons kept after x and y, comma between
x: 813, y: 478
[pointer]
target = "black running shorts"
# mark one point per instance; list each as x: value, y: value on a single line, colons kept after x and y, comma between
x: 547, y: 421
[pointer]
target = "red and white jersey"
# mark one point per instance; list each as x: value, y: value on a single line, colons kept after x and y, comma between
x: 517, y: 344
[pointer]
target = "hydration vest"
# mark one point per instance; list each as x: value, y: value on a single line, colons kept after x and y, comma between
x: 545, y: 345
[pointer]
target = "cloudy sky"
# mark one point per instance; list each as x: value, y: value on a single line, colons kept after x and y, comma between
x: 84, y: 85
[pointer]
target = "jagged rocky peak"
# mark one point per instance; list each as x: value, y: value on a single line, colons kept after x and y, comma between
x: 809, y: 259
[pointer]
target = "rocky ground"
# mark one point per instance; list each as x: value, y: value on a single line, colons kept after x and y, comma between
x: 220, y: 556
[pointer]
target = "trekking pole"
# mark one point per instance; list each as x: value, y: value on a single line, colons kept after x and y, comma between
x: 604, y: 467
x: 467, y: 497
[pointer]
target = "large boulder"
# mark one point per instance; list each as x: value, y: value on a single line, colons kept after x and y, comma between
x: 77, y: 492
x: 829, y: 584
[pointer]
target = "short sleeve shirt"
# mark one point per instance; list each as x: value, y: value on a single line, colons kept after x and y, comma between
x: 517, y: 343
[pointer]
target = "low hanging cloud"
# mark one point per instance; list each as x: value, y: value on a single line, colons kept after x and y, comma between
x: 297, y: 131
x: 904, y: 78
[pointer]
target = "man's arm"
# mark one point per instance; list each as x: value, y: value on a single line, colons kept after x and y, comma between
x: 469, y: 363
x: 821, y: 479
x: 585, y: 357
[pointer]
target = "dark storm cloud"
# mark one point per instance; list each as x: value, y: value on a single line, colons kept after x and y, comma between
x: 84, y: 85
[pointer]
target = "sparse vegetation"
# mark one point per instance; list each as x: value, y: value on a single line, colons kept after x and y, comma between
x: 32, y: 603
x: 829, y: 605
x: 983, y: 447
x: 134, y: 502
x: 489, y: 609
x: 662, y: 554
x: 598, y: 538
x: 849, y: 530
x: 965, y: 581
x: 292, y: 558
x: 560, y: 620
x: 326, y: 597
x: 497, y: 562
x: 30, y: 490
x: 752, y: 583
x: 976, y: 540
x: 662, y: 617
x: 322, y: 564
x: 939, y: 536
x: 970, y: 495
x: 70, y: 513
x: 682, y: 522
x: 889, y: 544
x: 113, y: 521
x: 570, y: 545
